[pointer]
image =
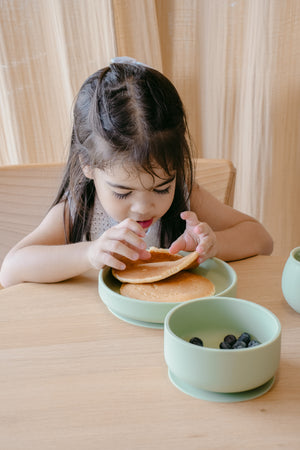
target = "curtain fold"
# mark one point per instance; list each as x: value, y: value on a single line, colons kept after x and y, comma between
x: 236, y: 65
x: 48, y: 48
x: 137, y: 32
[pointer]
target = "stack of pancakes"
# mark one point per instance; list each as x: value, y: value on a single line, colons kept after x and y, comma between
x: 164, y: 278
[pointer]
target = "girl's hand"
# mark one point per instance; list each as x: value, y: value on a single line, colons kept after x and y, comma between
x: 198, y: 236
x: 123, y: 241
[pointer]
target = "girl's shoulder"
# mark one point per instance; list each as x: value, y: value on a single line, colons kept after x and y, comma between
x: 56, y: 222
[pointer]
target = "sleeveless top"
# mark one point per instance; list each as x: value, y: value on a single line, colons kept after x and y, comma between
x: 101, y: 222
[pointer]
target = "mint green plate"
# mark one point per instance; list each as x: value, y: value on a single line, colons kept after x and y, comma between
x: 152, y: 314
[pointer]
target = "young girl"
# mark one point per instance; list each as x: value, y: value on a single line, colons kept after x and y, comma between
x: 128, y: 185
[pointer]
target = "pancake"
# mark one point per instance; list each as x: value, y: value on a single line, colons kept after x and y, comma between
x: 177, y: 288
x: 161, y: 265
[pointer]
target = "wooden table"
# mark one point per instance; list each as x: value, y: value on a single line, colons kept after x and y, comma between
x: 73, y: 376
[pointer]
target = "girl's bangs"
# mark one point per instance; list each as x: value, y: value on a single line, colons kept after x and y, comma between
x: 163, y: 149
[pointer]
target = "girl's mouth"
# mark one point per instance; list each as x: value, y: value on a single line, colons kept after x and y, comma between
x: 145, y: 223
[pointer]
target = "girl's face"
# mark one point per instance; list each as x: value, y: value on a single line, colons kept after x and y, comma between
x: 129, y: 193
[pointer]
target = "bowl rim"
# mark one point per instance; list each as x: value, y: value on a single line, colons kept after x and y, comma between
x: 293, y: 253
x: 232, y: 272
x: 182, y: 341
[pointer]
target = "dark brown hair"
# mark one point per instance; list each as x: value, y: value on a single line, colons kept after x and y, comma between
x: 130, y: 113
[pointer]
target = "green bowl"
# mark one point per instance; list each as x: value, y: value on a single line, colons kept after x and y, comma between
x: 210, y: 368
x: 152, y: 314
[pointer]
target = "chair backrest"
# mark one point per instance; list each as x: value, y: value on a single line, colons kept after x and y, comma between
x: 27, y: 191
x: 218, y: 177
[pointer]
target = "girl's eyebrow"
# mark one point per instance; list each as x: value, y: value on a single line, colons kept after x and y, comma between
x: 128, y: 188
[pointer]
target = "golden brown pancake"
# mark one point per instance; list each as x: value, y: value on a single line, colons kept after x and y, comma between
x: 177, y: 288
x: 161, y: 265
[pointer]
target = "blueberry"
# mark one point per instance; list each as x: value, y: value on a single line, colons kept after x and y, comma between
x: 239, y: 344
x: 224, y: 345
x: 230, y: 339
x: 197, y: 341
x: 245, y: 337
x: 253, y: 343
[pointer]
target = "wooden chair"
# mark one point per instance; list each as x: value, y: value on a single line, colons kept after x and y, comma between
x: 27, y: 191
x: 218, y: 177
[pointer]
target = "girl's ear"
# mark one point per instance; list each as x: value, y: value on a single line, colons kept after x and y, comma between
x: 88, y: 172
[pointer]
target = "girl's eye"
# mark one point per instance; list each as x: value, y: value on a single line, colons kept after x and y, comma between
x: 120, y: 196
x: 157, y: 191
x: 162, y: 191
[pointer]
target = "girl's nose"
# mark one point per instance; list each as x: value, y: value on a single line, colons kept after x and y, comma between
x: 142, y: 205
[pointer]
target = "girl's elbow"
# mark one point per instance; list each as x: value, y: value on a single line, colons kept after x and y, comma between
x: 3, y: 281
x: 267, y: 246
x: 7, y: 277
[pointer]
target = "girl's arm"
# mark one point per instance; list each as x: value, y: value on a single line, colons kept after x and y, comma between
x: 215, y: 229
x: 43, y: 256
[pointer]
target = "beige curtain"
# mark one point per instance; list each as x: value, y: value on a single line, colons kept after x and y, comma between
x: 48, y: 48
x: 236, y: 65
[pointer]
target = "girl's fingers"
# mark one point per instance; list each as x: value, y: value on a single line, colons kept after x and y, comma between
x: 125, y: 235
x: 202, y: 228
x: 121, y: 249
x: 207, y: 247
x: 118, y: 244
x: 110, y: 260
x: 190, y: 217
x: 198, y: 237
x: 129, y: 224
x: 177, y: 245
x: 189, y: 239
